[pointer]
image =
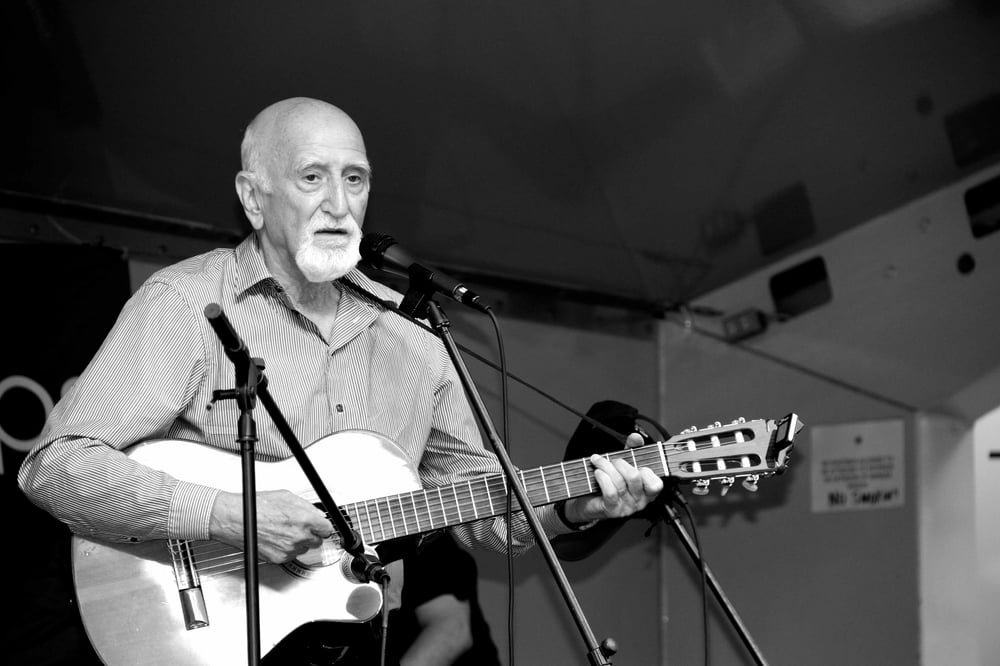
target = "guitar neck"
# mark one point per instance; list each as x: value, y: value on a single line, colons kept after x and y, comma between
x: 435, y: 508
x: 742, y: 448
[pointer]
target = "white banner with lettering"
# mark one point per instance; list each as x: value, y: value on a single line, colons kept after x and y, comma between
x: 857, y: 466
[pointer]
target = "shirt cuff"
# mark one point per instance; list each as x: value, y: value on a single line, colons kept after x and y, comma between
x: 191, y: 511
x: 574, y: 527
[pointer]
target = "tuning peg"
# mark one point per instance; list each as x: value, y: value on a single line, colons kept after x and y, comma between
x: 727, y: 483
x: 750, y: 482
x: 700, y: 487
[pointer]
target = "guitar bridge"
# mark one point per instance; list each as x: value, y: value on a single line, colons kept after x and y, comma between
x: 188, y: 584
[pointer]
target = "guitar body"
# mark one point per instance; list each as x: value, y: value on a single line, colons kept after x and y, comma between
x: 129, y: 594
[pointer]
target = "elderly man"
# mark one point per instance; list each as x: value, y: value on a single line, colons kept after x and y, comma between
x: 337, y: 362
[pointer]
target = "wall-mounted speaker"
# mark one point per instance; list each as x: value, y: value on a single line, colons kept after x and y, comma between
x: 801, y: 288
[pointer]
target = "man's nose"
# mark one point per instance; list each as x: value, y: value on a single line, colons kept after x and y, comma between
x: 335, y: 203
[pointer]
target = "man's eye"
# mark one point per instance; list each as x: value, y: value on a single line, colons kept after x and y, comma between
x: 311, y: 178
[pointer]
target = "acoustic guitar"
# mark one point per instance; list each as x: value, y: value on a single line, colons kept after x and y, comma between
x: 169, y: 602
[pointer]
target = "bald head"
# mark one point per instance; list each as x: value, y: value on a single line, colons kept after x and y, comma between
x: 273, y: 127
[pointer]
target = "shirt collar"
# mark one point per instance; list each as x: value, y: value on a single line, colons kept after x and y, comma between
x: 250, y: 267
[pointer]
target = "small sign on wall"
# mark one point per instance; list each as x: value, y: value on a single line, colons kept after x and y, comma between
x: 857, y: 466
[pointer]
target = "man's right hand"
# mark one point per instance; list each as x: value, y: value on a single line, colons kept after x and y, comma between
x: 287, y: 525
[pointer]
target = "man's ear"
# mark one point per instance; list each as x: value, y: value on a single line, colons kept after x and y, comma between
x: 249, y: 194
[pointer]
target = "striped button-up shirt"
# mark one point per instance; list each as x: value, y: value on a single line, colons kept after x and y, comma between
x: 157, y: 372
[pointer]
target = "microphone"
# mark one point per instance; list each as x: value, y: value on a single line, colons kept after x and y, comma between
x: 363, y: 568
x: 382, y: 252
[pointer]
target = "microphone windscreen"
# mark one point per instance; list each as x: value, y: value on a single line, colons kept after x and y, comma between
x: 373, y: 247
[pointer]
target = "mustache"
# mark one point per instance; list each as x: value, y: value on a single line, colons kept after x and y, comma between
x: 344, y: 225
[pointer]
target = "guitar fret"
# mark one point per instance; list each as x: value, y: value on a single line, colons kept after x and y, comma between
x: 545, y: 487
x: 499, y: 485
x: 444, y: 509
x: 402, y: 513
x: 368, y: 515
x: 382, y: 511
x: 398, y: 526
x: 663, y: 460
x: 392, y: 519
x: 525, y: 485
x: 366, y: 533
x: 489, y: 494
x: 430, y: 514
x: 381, y: 520
x: 378, y: 518
x: 416, y: 516
x: 458, y: 506
x: 475, y: 510
x: 588, y: 475
x: 557, y: 482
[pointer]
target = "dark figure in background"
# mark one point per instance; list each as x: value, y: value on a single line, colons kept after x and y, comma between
x: 440, y: 621
x: 337, y: 362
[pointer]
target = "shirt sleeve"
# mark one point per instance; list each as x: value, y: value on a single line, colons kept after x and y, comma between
x: 145, y: 372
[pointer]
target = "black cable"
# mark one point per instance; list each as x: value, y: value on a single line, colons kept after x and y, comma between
x: 704, y: 575
x: 383, y: 659
x: 509, y: 506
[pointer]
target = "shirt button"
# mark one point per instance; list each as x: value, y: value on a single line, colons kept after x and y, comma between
x: 340, y: 408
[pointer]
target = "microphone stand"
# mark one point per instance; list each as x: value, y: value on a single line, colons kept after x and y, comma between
x: 670, y: 496
x: 417, y: 302
x: 251, y: 383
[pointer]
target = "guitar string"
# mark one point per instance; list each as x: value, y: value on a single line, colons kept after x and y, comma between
x: 549, y: 481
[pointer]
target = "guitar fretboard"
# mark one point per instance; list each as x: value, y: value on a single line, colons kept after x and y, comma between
x: 420, y: 511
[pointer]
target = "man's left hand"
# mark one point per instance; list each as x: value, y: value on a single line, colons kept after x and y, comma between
x: 624, y: 490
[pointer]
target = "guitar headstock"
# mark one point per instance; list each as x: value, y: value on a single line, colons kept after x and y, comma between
x: 750, y: 450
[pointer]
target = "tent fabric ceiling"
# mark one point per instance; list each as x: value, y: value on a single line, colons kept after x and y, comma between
x: 635, y: 149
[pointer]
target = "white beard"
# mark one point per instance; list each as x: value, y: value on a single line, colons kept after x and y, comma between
x: 325, y: 264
